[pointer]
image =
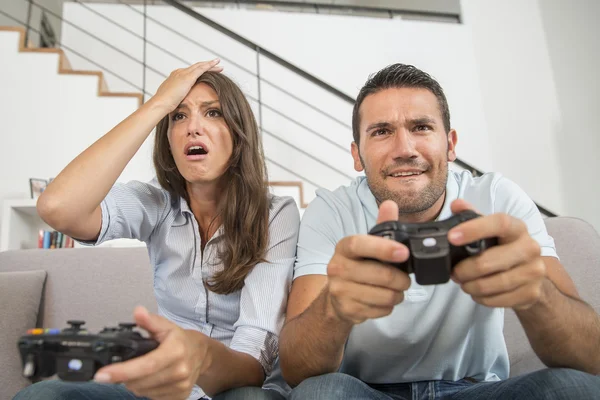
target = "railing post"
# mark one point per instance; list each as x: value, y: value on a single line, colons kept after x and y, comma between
x: 260, y: 124
x: 29, y: 6
x: 144, y: 59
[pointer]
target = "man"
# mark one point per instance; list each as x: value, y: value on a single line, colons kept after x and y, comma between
x: 359, y: 328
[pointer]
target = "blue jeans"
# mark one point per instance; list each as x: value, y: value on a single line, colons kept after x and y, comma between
x: 249, y: 393
x: 61, y: 390
x: 547, y: 384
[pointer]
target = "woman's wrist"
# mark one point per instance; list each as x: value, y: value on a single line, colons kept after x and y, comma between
x: 204, y: 349
x: 157, y: 104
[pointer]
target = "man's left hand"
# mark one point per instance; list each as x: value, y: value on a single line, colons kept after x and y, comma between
x: 168, y: 372
x: 508, y: 275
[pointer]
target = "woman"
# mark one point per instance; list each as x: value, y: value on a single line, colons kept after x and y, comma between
x: 222, y: 248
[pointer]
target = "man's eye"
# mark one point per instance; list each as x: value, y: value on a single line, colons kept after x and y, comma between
x: 214, y: 113
x: 422, y: 128
x: 379, y: 132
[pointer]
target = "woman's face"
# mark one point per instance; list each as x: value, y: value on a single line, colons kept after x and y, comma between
x: 199, y: 138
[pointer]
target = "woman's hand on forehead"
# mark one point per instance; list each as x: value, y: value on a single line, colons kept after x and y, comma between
x: 178, y: 84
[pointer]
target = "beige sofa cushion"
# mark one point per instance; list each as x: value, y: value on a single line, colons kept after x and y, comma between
x: 99, y: 285
x: 578, y: 247
x: 21, y: 294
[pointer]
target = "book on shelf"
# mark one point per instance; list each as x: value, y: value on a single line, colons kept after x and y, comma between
x: 54, y: 240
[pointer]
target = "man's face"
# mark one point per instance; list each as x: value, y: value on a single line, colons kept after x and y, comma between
x: 404, y: 149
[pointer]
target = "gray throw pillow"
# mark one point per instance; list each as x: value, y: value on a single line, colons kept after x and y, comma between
x: 20, y: 294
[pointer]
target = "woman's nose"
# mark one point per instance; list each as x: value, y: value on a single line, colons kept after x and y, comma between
x: 194, y: 128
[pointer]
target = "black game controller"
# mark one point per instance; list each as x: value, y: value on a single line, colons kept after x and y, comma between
x: 431, y: 257
x: 76, y: 354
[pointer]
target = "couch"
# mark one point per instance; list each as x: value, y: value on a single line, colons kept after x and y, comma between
x: 101, y: 286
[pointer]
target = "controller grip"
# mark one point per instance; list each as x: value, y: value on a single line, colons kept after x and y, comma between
x: 145, y: 346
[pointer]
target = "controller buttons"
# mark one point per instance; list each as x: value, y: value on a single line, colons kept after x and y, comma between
x: 116, y: 359
x: 52, y: 331
x: 429, y: 242
x: 29, y: 368
x: 387, y: 235
x: 75, y: 364
x: 99, y: 346
x: 430, y: 245
x: 474, y: 248
x: 36, y: 331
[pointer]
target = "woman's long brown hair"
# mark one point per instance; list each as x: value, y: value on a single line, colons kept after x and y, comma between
x: 244, y: 206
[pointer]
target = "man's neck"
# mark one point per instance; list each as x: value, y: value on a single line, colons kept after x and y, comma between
x: 426, y: 215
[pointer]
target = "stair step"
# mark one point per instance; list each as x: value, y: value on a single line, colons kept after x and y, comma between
x: 64, y: 66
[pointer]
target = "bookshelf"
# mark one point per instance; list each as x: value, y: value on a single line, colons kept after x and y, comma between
x: 21, y: 225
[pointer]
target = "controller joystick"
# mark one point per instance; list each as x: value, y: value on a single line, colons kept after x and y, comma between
x: 75, y: 325
x: 127, y: 326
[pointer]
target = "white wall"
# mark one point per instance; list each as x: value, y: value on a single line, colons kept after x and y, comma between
x: 47, y: 118
x: 573, y: 39
x: 519, y: 95
x: 16, y: 9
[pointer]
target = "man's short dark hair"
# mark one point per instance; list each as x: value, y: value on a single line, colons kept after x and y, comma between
x: 399, y: 76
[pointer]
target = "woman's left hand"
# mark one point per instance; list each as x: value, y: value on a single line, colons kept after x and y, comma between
x: 168, y: 372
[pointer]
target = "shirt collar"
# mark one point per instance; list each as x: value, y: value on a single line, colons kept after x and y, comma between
x: 181, y: 211
x: 185, y: 212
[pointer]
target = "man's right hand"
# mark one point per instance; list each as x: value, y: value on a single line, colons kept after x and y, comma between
x: 179, y: 83
x: 361, y: 283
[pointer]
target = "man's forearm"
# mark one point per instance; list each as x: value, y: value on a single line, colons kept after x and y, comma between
x: 563, y: 332
x: 313, y: 343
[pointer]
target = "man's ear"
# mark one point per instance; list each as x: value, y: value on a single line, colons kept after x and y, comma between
x: 358, y: 166
x: 452, y: 140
